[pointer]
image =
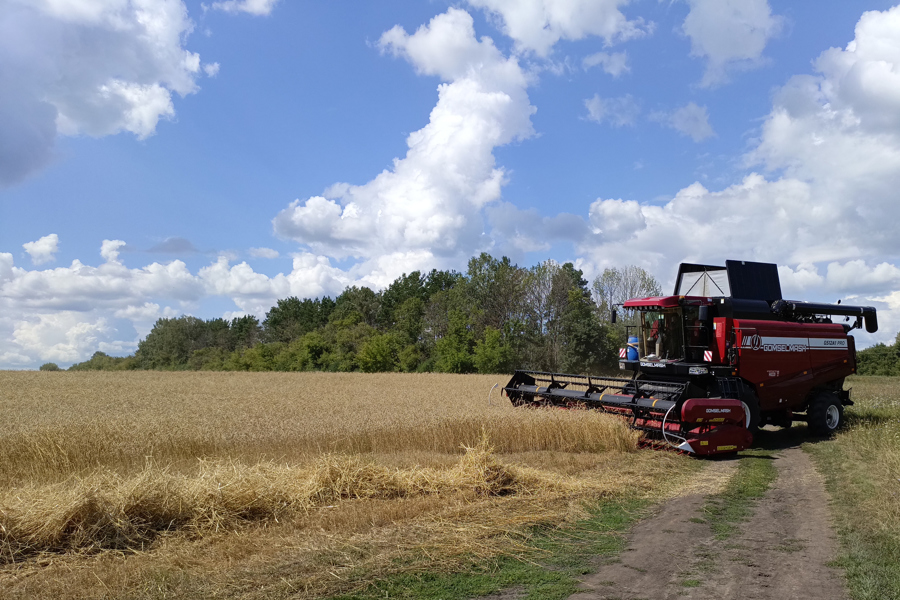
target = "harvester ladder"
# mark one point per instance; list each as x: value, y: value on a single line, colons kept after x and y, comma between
x: 730, y: 387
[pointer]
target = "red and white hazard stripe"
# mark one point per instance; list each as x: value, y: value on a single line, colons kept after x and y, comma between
x: 707, y: 355
x: 621, y: 352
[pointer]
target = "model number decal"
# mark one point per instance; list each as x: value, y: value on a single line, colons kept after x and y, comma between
x: 827, y: 344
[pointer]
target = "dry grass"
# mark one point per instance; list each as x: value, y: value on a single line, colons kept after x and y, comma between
x: 289, y: 483
x: 862, y: 469
x: 872, y: 442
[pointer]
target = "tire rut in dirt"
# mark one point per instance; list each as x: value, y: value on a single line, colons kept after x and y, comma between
x: 781, y: 552
x: 658, y: 550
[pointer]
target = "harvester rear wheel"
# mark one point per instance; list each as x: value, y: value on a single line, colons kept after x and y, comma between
x: 825, y: 414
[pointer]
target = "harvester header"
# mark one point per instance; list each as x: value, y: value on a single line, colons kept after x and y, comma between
x: 721, y: 357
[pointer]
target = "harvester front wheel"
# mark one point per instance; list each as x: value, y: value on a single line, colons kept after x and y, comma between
x: 825, y: 414
x: 751, y: 411
x: 751, y: 414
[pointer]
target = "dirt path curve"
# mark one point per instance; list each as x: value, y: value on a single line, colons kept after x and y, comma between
x: 782, y: 552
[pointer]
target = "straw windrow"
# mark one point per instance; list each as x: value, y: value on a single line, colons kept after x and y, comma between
x: 107, y: 511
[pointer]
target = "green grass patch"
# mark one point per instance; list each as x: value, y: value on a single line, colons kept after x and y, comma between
x: 870, y: 554
x: 861, y: 466
x: 550, y: 569
x: 726, y: 510
x: 790, y: 545
x: 690, y: 583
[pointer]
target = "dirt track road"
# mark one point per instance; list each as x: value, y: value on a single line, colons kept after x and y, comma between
x: 781, y: 552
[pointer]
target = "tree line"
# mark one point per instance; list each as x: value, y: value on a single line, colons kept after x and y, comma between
x: 493, y: 318
x: 880, y: 359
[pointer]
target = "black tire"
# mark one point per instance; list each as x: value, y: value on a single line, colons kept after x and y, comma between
x: 751, y: 410
x: 825, y: 414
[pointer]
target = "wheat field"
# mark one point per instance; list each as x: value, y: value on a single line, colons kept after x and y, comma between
x: 60, y: 424
x: 117, y: 476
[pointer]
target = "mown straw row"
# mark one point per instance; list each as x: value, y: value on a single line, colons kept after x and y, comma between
x: 110, y: 511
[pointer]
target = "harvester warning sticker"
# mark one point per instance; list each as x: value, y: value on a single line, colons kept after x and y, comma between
x: 791, y: 344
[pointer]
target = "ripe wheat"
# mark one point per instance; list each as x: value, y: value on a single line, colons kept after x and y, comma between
x: 61, y: 424
x: 339, y: 474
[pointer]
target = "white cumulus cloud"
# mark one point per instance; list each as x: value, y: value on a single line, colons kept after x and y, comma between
x: 60, y: 336
x: 67, y: 313
x: 149, y: 311
x: 43, y: 250
x: 614, y: 63
x: 729, y: 34
x: 211, y: 69
x: 616, y: 219
x: 537, y: 25
x: 827, y: 162
x: 110, y: 249
x: 824, y: 211
x: 96, y: 68
x: 429, y: 205
x: 839, y: 130
x: 253, y: 7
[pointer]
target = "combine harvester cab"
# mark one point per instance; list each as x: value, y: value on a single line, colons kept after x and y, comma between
x: 721, y: 357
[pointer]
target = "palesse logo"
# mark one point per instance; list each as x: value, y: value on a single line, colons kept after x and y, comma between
x: 774, y: 344
x: 753, y: 342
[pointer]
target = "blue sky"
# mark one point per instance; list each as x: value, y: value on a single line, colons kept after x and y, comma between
x: 210, y: 158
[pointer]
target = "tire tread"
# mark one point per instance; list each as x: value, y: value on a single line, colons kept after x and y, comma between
x: 817, y: 417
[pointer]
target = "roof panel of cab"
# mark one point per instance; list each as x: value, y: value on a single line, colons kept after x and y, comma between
x: 665, y: 302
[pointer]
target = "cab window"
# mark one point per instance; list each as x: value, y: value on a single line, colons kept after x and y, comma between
x: 661, y: 334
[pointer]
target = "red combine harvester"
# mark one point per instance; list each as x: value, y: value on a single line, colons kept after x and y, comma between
x: 720, y: 358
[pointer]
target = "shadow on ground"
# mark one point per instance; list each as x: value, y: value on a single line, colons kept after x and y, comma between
x: 779, y: 438
x: 775, y: 438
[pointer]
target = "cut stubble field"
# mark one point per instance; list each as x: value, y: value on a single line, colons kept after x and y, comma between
x: 149, y: 484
